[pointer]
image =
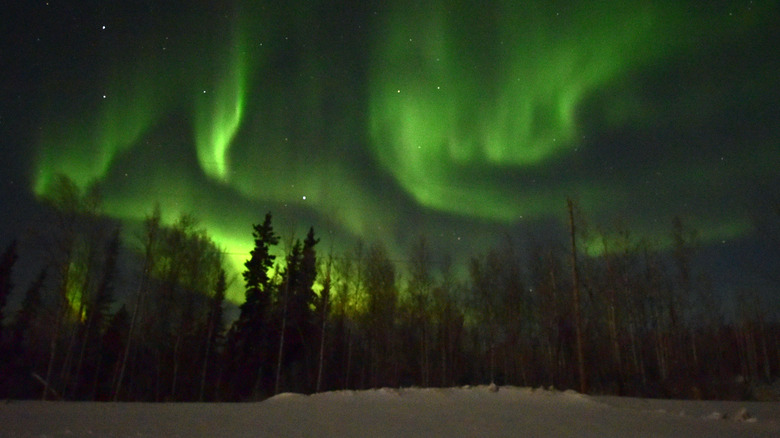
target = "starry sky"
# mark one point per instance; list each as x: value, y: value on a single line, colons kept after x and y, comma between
x: 463, y: 121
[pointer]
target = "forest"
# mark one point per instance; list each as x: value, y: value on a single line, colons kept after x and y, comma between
x: 634, y: 319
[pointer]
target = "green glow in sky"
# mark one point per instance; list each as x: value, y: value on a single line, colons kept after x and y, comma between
x: 219, y: 111
x: 505, y: 95
x: 111, y: 120
x: 718, y: 232
x: 389, y: 120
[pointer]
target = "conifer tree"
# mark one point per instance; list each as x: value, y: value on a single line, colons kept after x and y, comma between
x: 304, y: 297
x: 248, y: 343
x: 31, y: 306
x: 282, y: 306
x: 7, y: 261
x: 322, y: 310
x: 23, y: 349
x: 297, y: 302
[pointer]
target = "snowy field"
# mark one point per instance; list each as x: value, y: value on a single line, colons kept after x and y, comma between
x: 467, y: 412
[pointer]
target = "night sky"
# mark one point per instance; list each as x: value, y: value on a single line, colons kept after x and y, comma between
x: 386, y: 120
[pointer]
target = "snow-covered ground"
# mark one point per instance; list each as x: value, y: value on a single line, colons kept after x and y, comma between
x: 472, y: 412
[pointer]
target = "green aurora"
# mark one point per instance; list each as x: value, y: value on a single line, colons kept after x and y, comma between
x: 389, y: 120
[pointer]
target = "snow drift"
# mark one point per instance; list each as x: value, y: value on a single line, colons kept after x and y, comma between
x: 452, y: 412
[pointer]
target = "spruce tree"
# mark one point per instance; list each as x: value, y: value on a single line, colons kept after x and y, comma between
x: 283, y: 310
x: 23, y: 349
x: 307, y: 302
x: 309, y: 269
x: 28, y: 313
x: 7, y: 261
x: 297, y: 347
x: 248, y: 344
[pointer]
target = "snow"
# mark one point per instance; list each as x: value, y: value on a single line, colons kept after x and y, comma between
x: 466, y: 412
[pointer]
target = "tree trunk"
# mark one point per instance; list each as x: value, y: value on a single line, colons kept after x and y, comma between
x: 277, y: 382
x: 67, y: 363
x: 82, y: 352
x: 60, y: 311
x: 321, y: 364
x: 348, y: 369
x: 52, y: 354
x: 613, y: 334
x: 176, y: 354
x: 576, y: 290
x: 206, y: 359
x: 139, y: 299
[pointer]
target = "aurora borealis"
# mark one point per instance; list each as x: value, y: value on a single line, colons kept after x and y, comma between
x: 460, y: 121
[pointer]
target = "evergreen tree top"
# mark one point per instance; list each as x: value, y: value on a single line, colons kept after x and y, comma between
x: 261, y: 259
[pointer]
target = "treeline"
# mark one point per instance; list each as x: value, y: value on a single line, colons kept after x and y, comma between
x: 632, y: 320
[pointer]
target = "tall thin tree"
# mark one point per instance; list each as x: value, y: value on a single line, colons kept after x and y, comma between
x: 7, y: 261
x: 151, y: 235
x: 248, y: 341
x: 575, y: 278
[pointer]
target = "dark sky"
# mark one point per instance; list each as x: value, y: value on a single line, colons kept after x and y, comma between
x: 387, y: 120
